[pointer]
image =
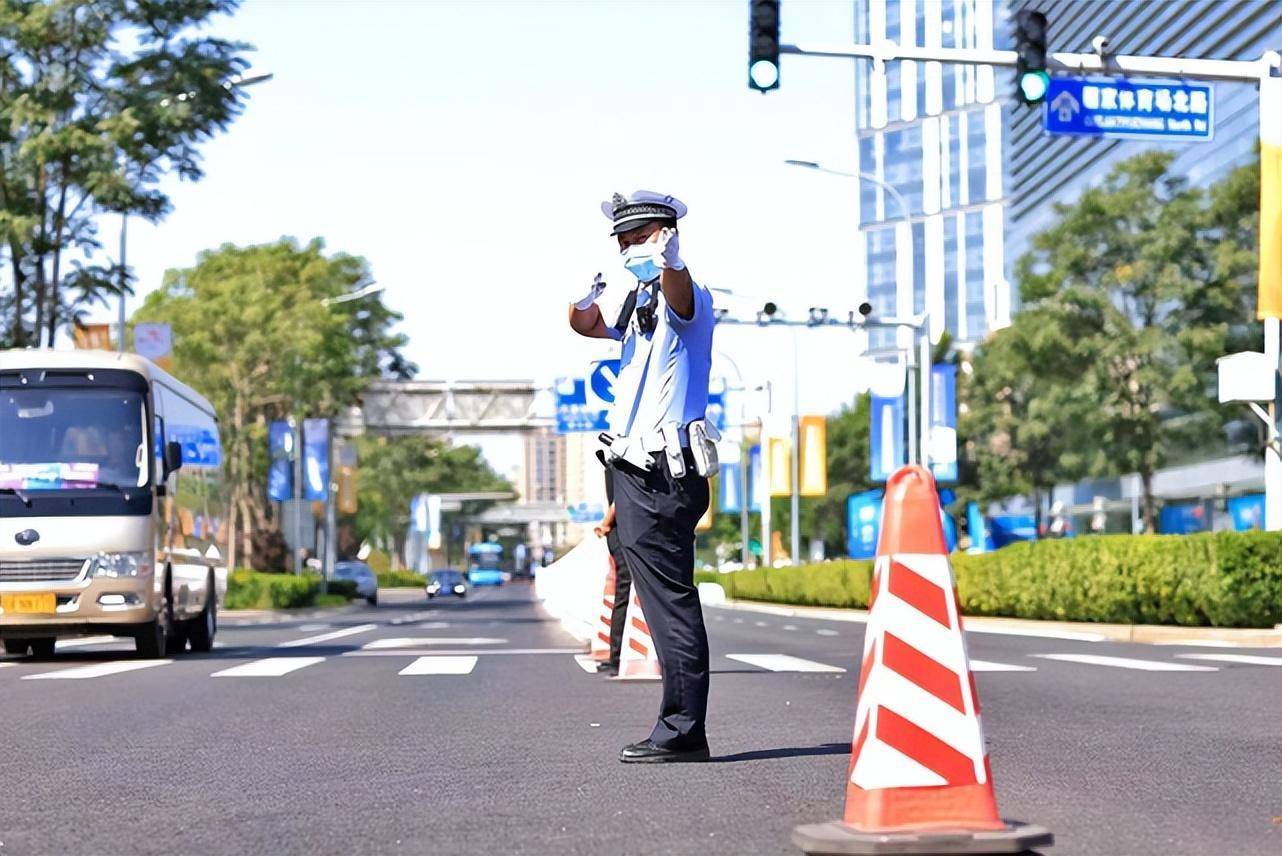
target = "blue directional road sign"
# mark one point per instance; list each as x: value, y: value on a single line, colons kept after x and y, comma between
x: 583, y: 405
x: 1124, y: 109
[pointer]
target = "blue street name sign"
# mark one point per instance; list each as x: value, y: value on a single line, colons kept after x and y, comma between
x: 1124, y: 109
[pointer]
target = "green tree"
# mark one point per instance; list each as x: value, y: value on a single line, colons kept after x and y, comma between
x: 1134, y: 293
x: 99, y: 100
x: 392, y: 470
x: 252, y: 334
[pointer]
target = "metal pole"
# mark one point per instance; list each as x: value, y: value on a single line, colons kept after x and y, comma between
x: 744, y: 499
x: 1273, y: 451
x: 796, y: 450
x: 766, y: 541
x: 124, y: 278
x: 1271, y: 154
x: 331, y: 512
x: 911, y: 395
x: 297, y: 427
x: 924, y: 360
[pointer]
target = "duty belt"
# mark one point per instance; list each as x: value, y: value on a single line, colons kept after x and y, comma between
x: 672, y: 440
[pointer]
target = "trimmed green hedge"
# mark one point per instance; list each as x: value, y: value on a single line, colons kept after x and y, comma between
x: 1223, y: 579
x: 259, y: 590
x: 400, y: 579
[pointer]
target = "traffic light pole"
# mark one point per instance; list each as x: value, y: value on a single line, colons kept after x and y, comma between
x: 1263, y: 71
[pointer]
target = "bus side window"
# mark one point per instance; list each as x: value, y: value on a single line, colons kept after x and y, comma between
x: 158, y: 449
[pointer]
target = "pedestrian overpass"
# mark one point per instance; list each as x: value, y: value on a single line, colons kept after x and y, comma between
x: 398, y: 407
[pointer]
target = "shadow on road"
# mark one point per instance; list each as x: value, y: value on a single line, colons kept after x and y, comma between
x: 791, y: 752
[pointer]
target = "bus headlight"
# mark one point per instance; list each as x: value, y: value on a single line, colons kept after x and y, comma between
x: 122, y: 564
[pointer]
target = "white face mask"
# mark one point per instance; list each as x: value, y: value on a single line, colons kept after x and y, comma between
x: 639, y: 260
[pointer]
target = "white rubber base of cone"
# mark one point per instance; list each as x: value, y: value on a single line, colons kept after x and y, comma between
x: 636, y: 677
x: 838, y: 839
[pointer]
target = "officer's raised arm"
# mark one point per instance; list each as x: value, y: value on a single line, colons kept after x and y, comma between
x: 678, y: 287
x: 585, y: 315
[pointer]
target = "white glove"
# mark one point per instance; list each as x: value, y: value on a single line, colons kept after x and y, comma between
x: 669, y: 250
x: 598, y: 286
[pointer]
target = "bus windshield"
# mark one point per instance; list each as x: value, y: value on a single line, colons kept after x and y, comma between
x: 67, y: 438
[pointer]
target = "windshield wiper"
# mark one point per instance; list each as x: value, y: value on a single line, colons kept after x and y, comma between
x: 123, y: 491
x: 26, y: 500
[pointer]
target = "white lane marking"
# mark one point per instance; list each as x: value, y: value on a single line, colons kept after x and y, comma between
x: 1249, y: 659
x: 586, y: 663
x: 432, y: 625
x: 98, y: 670
x: 88, y: 640
x: 326, y: 637
x: 440, y: 666
x: 270, y: 667
x: 783, y: 663
x: 761, y: 623
x: 1069, y: 635
x: 2, y: 665
x: 408, y: 642
x: 312, y: 628
x: 424, y: 652
x: 790, y: 627
x: 826, y: 632
x: 738, y: 621
x: 986, y: 666
x: 1125, y: 663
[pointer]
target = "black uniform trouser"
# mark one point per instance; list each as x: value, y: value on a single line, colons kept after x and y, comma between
x: 656, y: 515
x: 622, y: 593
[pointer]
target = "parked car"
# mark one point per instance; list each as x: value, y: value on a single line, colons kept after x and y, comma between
x: 446, y: 582
x: 364, y: 577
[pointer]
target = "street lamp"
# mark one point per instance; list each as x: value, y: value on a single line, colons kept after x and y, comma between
x: 367, y: 289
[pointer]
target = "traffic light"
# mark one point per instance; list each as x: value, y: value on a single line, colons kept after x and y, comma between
x: 1031, y: 79
x: 763, y: 45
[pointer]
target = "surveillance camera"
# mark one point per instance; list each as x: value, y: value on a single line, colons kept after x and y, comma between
x: 1100, y: 45
x: 865, y: 309
x: 770, y: 308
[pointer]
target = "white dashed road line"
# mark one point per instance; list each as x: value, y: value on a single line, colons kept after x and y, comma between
x: 415, y: 642
x: 790, y: 627
x: 440, y: 666
x: 98, y: 670
x: 271, y: 667
x: 986, y: 666
x: 88, y: 640
x: 1125, y: 663
x: 783, y: 663
x: 827, y: 632
x: 1248, y: 659
x: 326, y: 637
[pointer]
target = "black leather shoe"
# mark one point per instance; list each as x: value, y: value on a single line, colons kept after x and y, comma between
x: 647, y: 752
x: 612, y: 668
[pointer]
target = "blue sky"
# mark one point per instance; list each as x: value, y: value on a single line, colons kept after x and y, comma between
x: 463, y: 148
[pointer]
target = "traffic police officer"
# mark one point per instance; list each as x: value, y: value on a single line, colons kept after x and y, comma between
x: 662, y: 454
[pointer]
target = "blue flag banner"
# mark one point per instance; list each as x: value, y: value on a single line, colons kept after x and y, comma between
x: 755, y: 486
x: 315, y: 458
x: 863, y: 523
x: 280, y: 469
x: 943, y: 422
x: 731, y: 478
x: 888, y: 450
x: 981, y: 541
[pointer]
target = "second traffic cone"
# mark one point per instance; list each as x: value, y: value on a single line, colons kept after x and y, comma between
x: 601, y: 640
x: 638, y: 661
x: 919, y: 771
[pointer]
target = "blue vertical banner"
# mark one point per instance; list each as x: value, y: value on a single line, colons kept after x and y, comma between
x: 981, y: 540
x: 280, y: 468
x: 315, y: 458
x: 731, y: 478
x: 755, y: 487
x: 863, y: 523
x: 888, y: 450
x: 943, y: 422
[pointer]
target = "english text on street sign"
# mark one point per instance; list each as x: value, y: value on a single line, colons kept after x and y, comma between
x: 1124, y: 109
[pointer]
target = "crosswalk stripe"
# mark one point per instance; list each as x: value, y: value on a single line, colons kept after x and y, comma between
x: 406, y: 642
x: 986, y: 666
x: 1126, y: 663
x: 1249, y: 659
x: 97, y: 670
x: 326, y: 637
x: 270, y: 667
x: 88, y: 640
x: 440, y: 666
x: 2, y: 665
x: 586, y: 663
x: 783, y: 663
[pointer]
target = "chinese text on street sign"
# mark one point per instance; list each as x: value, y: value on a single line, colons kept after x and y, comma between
x: 1124, y: 109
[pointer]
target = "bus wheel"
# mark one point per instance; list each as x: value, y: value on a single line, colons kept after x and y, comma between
x: 42, y: 648
x: 201, y: 629
x: 17, y: 647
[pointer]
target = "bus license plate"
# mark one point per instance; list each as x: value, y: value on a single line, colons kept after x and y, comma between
x: 44, y: 603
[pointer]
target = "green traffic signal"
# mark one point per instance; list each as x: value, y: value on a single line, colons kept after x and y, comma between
x: 1033, y: 86
x: 1031, y: 78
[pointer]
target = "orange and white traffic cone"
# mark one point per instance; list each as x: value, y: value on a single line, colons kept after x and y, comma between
x: 638, y: 660
x: 600, y: 648
x: 919, y: 779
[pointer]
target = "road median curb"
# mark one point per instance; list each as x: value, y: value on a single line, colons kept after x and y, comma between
x: 1153, y: 634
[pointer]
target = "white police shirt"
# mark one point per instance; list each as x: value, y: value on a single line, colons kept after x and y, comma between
x: 663, y: 377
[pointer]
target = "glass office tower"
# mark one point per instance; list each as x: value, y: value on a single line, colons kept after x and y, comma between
x: 935, y: 134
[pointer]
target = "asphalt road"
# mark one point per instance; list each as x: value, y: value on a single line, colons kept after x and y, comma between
x: 468, y: 727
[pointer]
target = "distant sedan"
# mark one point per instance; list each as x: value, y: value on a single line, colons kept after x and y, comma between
x: 446, y: 582
x: 361, y: 574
